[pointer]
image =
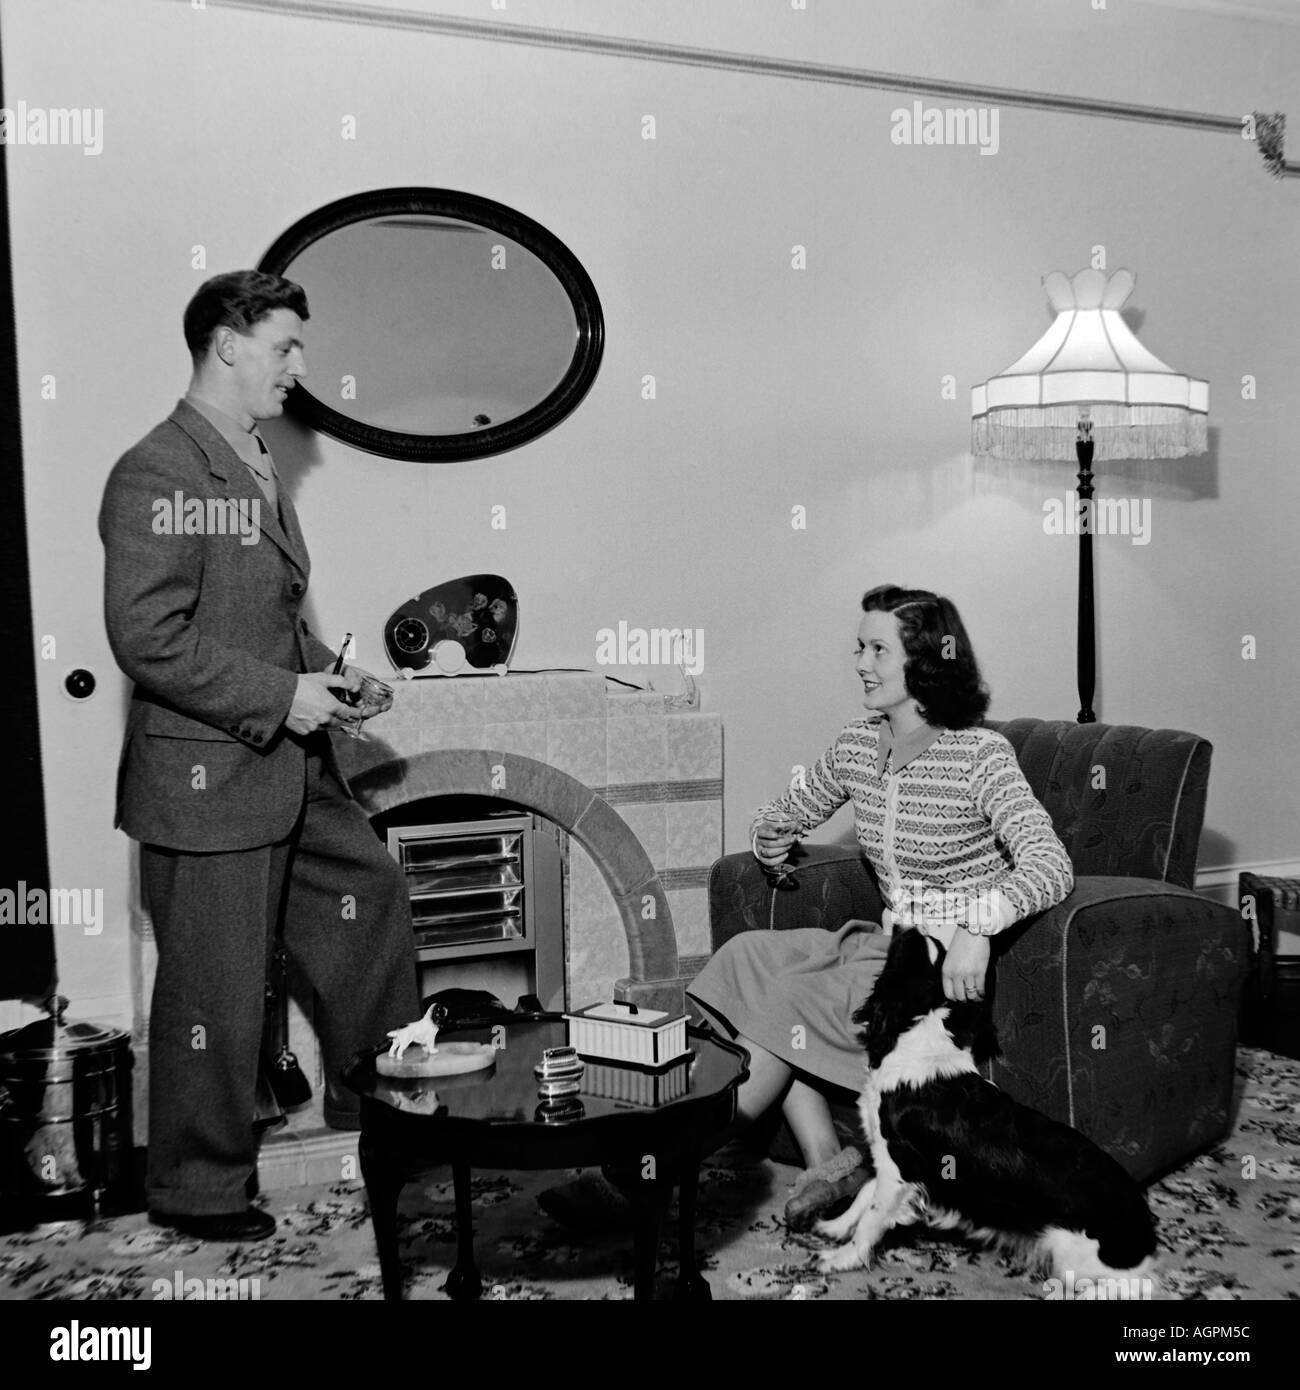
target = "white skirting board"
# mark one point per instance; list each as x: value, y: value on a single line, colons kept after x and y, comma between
x: 1221, y: 885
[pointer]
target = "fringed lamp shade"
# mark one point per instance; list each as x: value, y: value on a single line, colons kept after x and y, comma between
x: 1088, y: 364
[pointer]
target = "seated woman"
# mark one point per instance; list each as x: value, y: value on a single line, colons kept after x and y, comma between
x: 961, y: 850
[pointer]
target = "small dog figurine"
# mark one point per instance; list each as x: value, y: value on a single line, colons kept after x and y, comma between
x: 953, y: 1151
x: 422, y: 1033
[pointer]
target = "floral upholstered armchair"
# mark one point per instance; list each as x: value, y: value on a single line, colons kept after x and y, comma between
x: 1116, y: 1010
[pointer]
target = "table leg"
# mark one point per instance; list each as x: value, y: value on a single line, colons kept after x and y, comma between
x: 691, y: 1284
x: 645, y: 1250
x: 384, y: 1181
x: 463, y: 1281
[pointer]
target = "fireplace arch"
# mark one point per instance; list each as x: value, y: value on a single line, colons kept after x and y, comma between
x: 576, y: 808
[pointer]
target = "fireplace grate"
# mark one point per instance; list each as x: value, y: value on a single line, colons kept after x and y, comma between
x: 487, y: 896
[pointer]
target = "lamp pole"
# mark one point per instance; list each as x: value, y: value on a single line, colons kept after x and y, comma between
x: 1086, y: 649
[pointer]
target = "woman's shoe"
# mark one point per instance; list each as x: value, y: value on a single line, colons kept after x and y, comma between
x: 588, y: 1205
x: 596, y: 1203
x: 822, y: 1191
x: 819, y: 1200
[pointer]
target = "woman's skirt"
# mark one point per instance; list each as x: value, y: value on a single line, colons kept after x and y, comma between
x: 794, y: 994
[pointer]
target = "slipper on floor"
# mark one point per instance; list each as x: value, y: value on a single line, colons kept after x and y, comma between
x: 819, y: 1200
x: 837, y: 1167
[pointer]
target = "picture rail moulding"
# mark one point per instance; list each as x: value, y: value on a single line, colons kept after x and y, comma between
x: 571, y: 40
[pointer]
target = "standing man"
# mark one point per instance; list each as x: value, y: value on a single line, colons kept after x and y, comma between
x: 227, y: 776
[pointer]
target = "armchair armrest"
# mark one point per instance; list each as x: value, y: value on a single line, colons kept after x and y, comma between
x: 1117, y: 1012
x: 834, y: 883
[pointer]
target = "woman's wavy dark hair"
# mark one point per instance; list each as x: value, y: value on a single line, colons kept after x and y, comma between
x: 941, y: 673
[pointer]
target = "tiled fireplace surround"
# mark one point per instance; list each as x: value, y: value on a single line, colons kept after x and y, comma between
x: 638, y: 787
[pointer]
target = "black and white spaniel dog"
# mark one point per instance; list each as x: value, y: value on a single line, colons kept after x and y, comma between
x: 953, y: 1151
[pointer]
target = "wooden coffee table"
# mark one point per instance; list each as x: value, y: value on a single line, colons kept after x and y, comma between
x: 495, y: 1119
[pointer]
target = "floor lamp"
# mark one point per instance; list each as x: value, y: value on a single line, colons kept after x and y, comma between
x: 1088, y: 389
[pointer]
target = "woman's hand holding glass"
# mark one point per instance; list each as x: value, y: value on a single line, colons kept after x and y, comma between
x: 774, y: 837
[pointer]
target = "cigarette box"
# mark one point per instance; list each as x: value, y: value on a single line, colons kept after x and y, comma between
x: 638, y: 1085
x: 624, y: 1033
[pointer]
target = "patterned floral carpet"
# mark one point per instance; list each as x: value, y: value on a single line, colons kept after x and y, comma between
x: 1229, y: 1226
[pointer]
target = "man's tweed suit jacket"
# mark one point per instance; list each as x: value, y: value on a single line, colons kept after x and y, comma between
x: 210, y: 630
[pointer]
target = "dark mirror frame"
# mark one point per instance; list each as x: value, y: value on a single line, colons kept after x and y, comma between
x: 467, y: 207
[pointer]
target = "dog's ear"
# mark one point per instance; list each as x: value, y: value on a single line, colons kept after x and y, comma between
x: 984, y: 1045
x: 885, y: 1021
x: 971, y: 1026
x: 904, y: 992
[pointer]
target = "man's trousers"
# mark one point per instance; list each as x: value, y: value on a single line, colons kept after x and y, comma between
x: 347, y: 924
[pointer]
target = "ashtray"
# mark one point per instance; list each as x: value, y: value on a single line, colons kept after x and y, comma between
x: 447, y: 1059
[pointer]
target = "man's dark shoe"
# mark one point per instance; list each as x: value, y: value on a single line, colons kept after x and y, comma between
x: 249, y: 1224
x: 342, y: 1107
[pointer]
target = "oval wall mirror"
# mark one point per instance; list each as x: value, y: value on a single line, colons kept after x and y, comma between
x: 443, y: 325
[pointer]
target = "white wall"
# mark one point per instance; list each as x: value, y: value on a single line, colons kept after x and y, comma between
x: 775, y: 388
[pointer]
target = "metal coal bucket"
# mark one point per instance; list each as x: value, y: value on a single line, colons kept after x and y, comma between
x: 65, y: 1117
